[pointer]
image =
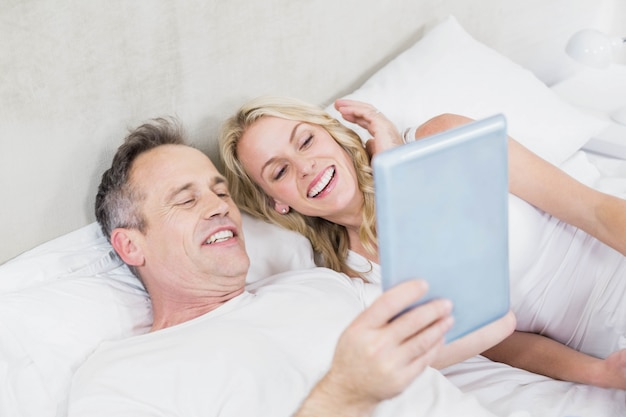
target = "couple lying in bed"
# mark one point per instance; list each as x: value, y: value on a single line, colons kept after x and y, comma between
x: 217, y: 348
x: 169, y: 216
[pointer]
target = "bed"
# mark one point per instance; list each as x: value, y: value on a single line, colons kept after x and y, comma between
x: 77, y: 76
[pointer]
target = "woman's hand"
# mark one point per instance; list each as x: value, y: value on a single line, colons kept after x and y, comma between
x: 612, y: 371
x: 384, y: 134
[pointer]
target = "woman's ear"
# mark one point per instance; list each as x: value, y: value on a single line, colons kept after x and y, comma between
x: 281, y: 208
x: 124, y: 242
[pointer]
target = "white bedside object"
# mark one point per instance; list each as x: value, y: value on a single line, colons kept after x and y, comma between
x: 620, y: 116
x: 611, y: 141
x: 602, y: 93
x: 593, y: 48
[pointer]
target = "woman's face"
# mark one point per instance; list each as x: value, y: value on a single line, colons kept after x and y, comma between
x: 301, y: 166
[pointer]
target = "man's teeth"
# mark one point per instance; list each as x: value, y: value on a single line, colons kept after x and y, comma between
x: 220, y: 236
x: 323, y: 182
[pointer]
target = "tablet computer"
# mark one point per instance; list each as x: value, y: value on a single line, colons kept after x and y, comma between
x: 442, y: 215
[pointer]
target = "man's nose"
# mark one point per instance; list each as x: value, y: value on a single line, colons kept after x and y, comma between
x: 214, y: 205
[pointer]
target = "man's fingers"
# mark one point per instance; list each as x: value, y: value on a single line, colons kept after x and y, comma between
x: 421, y: 348
x: 392, y: 302
x: 420, y: 317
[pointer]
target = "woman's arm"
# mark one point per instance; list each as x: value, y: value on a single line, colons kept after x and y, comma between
x: 548, y: 188
x: 545, y: 356
x: 476, y: 342
x: 535, y: 353
x: 555, y: 192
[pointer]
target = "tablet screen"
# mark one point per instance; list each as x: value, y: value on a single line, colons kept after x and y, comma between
x: 442, y: 215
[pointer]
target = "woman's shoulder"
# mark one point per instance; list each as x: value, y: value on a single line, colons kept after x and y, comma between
x: 369, y: 269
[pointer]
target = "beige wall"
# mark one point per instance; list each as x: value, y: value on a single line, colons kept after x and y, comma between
x: 75, y: 75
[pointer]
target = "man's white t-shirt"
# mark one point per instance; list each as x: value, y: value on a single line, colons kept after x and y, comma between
x: 257, y: 355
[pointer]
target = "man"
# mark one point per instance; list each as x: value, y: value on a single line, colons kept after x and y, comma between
x: 218, y: 348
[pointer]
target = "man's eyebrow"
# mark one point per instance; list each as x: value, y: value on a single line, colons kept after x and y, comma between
x: 291, y: 139
x: 218, y: 179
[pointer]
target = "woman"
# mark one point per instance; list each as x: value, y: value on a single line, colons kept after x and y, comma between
x: 291, y: 163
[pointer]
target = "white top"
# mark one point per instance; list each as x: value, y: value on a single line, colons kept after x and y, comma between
x: 370, y: 270
x: 566, y: 284
x: 257, y: 355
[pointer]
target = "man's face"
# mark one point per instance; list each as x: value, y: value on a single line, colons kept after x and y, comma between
x: 193, y: 240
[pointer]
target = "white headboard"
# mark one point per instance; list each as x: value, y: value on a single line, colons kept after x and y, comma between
x: 74, y: 76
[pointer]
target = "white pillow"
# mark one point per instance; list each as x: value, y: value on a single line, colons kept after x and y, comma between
x: 59, y: 300
x: 273, y: 250
x: 448, y: 71
x: 83, y: 252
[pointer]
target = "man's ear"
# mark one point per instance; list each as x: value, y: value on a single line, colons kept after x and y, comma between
x: 124, y: 241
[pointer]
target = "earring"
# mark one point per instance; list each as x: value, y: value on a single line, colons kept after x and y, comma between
x: 281, y: 208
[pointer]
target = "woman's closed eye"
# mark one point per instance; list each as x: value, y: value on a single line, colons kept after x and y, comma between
x: 306, y: 142
x: 280, y: 172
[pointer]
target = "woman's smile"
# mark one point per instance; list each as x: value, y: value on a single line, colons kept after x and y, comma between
x: 322, y: 183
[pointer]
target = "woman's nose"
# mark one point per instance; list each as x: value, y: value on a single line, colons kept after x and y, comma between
x: 305, y: 166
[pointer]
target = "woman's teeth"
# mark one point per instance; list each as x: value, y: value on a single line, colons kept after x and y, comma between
x: 323, y: 182
x: 220, y: 236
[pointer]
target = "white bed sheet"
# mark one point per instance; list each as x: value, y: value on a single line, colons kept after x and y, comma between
x: 502, y: 388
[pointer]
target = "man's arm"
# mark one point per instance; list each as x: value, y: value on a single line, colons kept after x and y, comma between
x: 376, y: 358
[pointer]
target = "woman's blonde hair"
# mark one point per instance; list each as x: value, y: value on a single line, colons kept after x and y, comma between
x: 328, y: 239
